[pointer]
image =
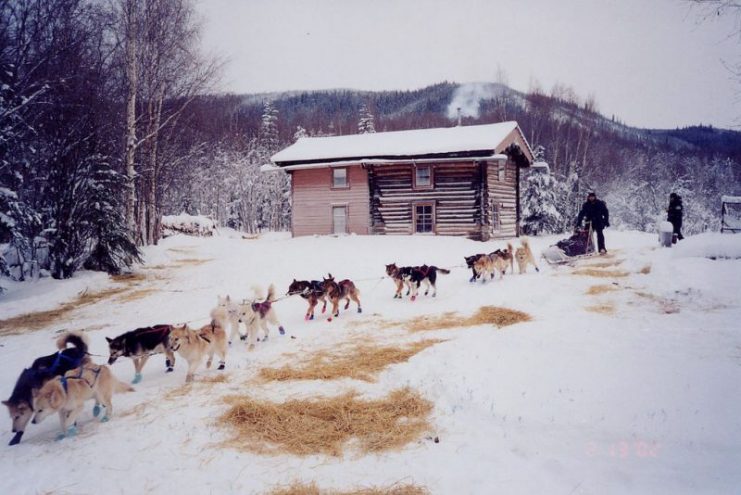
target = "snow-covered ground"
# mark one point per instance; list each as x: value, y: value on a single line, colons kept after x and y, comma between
x: 636, y: 390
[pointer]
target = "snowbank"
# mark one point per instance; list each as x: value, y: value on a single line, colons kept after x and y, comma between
x: 197, y: 225
x: 711, y: 245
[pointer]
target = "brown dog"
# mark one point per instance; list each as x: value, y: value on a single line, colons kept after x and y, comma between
x: 524, y: 256
x: 344, y: 289
x: 193, y: 345
x: 495, y: 262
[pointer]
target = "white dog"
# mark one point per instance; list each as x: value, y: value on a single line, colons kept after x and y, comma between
x: 257, y: 314
x: 226, y: 315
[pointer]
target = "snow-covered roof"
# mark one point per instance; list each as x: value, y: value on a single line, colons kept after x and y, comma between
x: 418, y: 142
x: 730, y: 199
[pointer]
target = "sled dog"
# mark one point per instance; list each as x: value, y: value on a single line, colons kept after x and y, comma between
x: 67, y: 394
x: 312, y: 291
x: 344, y: 289
x: 226, y: 314
x: 43, y: 369
x: 258, y: 313
x: 413, y: 277
x: 139, y: 344
x: 524, y: 256
x: 495, y: 262
x: 193, y: 345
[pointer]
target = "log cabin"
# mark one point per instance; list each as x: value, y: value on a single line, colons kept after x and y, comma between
x: 460, y: 181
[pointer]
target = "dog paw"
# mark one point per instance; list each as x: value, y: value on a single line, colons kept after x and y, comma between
x: 170, y: 369
x: 242, y: 338
x: 360, y: 310
x: 414, y: 298
x: 96, y: 410
x: 16, y: 438
x: 221, y: 366
x: 137, y: 378
x: 282, y: 330
x: 105, y: 419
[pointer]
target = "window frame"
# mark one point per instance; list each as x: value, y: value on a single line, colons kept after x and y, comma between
x: 433, y: 226
x: 332, y: 177
x: 415, y: 185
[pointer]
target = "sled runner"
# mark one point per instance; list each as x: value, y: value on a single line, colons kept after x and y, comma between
x: 578, y: 246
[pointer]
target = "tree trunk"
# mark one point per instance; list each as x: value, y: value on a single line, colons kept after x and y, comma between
x: 131, y: 90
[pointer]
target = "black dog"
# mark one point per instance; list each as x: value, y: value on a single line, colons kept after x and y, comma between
x: 311, y: 290
x: 141, y: 343
x: 43, y: 369
x: 414, y: 276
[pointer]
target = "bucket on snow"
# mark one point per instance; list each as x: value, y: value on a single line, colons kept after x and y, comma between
x: 666, y: 230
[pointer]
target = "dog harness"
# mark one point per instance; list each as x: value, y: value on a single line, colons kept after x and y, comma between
x: 64, y: 379
x: 262, y: 308
x: 74, y: 362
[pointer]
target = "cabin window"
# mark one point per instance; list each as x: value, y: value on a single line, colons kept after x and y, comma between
x: 339, y: 178
x: 502, y: 172
x: 423, y: 177
x: 339, y: 219
x: 495, y: 217
x: 424, y: 218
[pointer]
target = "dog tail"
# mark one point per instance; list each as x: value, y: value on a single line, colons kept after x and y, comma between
x: 525, y: 242
x: 257, y: 292
x: 444, y: 271
x: 271, y: 293
x: 77, y: 339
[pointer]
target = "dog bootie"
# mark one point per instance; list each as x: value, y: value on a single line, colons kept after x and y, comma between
x: 96, y: 410
x: 282, y: 330
x: 360, y: 310
x: 71, y: 432
x: 222, y: 365
x: 105, y: 419
x: 137, y: 378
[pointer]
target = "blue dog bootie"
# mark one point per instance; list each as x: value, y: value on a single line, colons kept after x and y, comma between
x: 137, y: 378
x: 96, y: 410
x: 105, y: 419
x: 71, y: 432
x: 282, y: 330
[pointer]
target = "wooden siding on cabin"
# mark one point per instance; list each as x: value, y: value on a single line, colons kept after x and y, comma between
x: 313, y: 197
x: 503, y: 194
x: 456, y: 195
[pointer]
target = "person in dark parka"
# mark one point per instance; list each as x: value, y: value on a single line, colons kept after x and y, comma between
x: 595, y: 211
x: 674, y: 215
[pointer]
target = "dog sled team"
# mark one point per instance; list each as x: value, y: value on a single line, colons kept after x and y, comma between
x: 63, y: 382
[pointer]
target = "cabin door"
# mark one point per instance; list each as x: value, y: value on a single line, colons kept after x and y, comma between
x: 339, y: 219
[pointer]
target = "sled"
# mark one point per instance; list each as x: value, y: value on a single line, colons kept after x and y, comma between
x: 556, y: 255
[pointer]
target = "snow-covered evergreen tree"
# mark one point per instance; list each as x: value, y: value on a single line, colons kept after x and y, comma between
x: 366, y: 124
x: 540, y: 196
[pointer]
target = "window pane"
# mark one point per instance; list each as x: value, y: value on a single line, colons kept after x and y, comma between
x: 423, y: 176
x: 423, y: 218
x: 339, y: 177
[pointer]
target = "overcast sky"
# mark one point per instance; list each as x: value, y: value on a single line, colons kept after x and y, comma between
x: 649, y: 62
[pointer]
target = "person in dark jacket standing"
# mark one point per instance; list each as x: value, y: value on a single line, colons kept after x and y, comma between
x: 674, y: 215
x: 595, y: 211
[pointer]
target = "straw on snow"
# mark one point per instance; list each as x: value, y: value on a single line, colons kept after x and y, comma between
x: 297, y: 488
x: 360, y: 362
x: 324, y: 425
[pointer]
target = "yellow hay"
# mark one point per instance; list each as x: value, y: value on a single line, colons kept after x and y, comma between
x: 192, y: 261
x: 596, y: 290
x: 41, y: 319
x: 137, y: 294
x: 603, y: 264
x: 360, y: 362
x: 591, y: 272
x: 606, y: 308
x: 297, y: 488
x: 326, y: 425
x: 492, y: 315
